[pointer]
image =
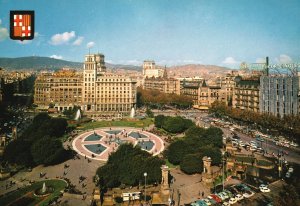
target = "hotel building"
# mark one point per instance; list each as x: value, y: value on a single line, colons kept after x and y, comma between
x: 99, y: 94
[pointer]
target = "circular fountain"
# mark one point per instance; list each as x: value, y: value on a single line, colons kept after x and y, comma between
x: 44, y: 191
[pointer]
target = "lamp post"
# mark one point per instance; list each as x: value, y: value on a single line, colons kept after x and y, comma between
x: 145, y: 175
x: 223, y: 153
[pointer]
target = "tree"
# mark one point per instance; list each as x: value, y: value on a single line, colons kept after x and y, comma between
x: 149, y: 113
x: 176, y: 124
x: 191, y: 164
x: 47, y: 151
x: 176, y: 151
x: 127, y: 166
x: 158, y: 121
x: 18, y: 151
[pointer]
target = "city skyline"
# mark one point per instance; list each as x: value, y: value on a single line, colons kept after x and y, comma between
x: 170, y: 32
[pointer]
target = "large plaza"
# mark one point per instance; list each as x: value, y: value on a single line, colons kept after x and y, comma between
x: 98, y: 144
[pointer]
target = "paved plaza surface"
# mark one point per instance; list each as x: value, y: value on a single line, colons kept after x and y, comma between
x: 98, y: 144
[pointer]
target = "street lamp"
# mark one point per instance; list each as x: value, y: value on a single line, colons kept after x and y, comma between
x: 223, y: 153
x: 145, y: 175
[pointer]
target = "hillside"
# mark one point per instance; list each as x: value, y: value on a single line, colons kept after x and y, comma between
x: 39, y: 63
x: 191, y: 70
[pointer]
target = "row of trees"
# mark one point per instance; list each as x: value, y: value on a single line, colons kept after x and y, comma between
x: 40, y: 143
x: 288, y: 125
x: 173, y: 124
x: 197, y: 143
x: 127, y: 165
x: 157, y: 99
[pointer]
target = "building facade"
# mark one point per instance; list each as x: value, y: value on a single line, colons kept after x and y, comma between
x: 61, y: 90
x: 165, y: 85
x: 246, y: 94
x: 150, y: 69
x: 99, y: 94
x: 279, y: 95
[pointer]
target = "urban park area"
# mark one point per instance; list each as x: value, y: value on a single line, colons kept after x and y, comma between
x: 161, y: 157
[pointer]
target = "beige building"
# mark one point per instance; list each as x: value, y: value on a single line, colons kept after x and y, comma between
x: 99, y: 94
x: 246, y: 94
x: 166, y: 85
x: 150, y: 69
x: 62, y: 89
x: 202, y: 94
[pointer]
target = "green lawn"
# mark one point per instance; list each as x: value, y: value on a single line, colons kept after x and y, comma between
x: 169, y: 164
x: 58, y: 186
x: 118, y: 123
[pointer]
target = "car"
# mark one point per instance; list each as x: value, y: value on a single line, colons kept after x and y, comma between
x: 221, y: 195
x: 264, y: 189
x: 260, y: 139
x: 199, y: 203
x: 233, y: 191
x: 252, y: 148
x: 288, y: 175
x: 215, y: 197
x: 239, y: 197
x: 248, y: 194
x: 291, y: 170
x: 262, y: 186
x: 207, y: 202
x: 225, y: 204
x: 232, y: 200
x: 229, y: 194
x: 225, y: 195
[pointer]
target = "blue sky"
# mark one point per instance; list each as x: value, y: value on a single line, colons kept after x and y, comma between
x: 170, y: 32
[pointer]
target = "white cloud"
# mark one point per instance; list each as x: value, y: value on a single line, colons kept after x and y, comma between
x: 260, y: 60
x: 63, y: 38
x: 90, y: 44
x: 230, y: 60
x: 3, y: 32
x: 283, y: 59
x: 78, y: 41
x: 54, y: 56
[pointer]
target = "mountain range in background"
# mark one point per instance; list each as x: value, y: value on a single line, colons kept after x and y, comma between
x: 47, y: 63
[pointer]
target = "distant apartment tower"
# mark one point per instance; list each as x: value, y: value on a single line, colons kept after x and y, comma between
x: 246, y: 94
x: 152, y: 70
x: 279, y: 95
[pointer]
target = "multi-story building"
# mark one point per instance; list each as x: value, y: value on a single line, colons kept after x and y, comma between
x: 227, y: 83
x: 62, y: 89
x: 165, y: 85
x: 98, y: 93
x: 152, y: 70
x: 202, y: 94
x: 279, y: 95
x: 246, y: 94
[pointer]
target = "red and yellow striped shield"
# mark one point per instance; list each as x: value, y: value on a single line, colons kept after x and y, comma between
x: 22, y: 25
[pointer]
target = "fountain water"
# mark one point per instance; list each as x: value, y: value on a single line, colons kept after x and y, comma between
x: 78, y: 115
x: 132, y: 112
x: 44, y: 188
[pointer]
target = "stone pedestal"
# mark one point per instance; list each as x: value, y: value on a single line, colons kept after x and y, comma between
x: 207, y: 174
x: 165, y: 187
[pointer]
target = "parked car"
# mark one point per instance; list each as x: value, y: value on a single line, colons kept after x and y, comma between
x: 288, y: 175
x: 264, y: 188
x: 248, y: 194
x: 232, y: 200
x: 291, y: 170
x: 207, y: 202
x: 199, y: 203
x: 215, y: 197
x: 239, y: 197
